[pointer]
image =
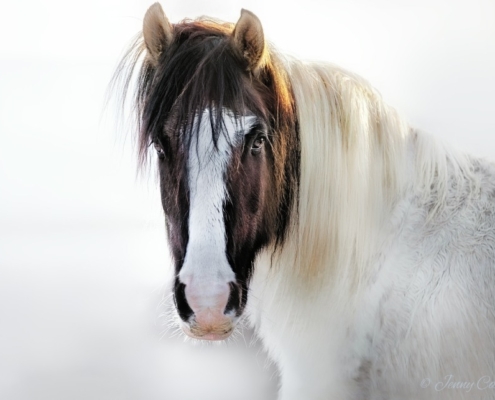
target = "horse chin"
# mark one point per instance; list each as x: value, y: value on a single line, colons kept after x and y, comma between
x: 213, y: 333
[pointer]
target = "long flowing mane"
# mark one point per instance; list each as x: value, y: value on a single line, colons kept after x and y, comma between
x: 353, y: 142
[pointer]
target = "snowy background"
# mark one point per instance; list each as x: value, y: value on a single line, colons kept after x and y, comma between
x: 83, y: 262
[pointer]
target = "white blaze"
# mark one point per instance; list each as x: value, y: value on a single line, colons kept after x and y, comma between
x: 205, y: 267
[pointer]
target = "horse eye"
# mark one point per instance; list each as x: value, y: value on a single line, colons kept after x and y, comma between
x: 258, y: 144
x: 159, y: 150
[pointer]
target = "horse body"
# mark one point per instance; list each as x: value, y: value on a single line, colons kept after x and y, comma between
x: 362, y: 250
x: 421, y: 320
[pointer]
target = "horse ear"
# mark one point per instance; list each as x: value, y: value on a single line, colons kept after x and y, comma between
x: 157, y: 32
x: 249, y: 39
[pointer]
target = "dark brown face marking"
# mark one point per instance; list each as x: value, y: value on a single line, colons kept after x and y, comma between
x: 249, y: 205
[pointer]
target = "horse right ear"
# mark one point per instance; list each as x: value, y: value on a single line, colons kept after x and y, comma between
x: 249, y: 39
x: 157, y: 32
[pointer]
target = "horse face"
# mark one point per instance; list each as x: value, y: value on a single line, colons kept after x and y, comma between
x: 222, y: 119
x: 217, y: 214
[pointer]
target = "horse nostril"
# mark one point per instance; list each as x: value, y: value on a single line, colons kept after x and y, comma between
x: 234, y: 301
x: 181, y: 304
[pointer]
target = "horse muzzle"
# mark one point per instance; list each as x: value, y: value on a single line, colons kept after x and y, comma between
x: 210, y: 319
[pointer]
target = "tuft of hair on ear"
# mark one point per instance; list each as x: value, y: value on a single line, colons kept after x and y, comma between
x: 157, y: 32
x: 249, y: 40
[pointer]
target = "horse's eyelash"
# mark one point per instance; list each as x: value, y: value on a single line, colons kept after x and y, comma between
x: 256, y: 129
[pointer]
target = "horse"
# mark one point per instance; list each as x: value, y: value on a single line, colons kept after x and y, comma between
x: 361, y: 249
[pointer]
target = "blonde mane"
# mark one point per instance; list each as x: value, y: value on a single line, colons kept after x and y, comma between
x: 357, y: 160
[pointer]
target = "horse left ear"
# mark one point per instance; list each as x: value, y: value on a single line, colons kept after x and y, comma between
x: 249, y: 39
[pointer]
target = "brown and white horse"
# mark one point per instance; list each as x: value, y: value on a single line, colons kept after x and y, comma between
x: 362, y: 250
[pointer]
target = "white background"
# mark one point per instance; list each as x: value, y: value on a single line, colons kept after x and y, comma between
x: 83, y: 262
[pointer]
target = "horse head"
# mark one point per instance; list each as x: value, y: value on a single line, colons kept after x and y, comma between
x: 220, y: 114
